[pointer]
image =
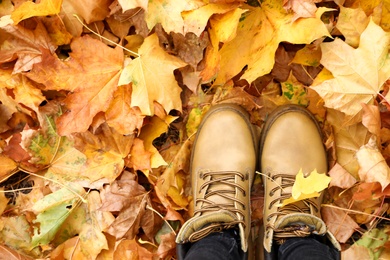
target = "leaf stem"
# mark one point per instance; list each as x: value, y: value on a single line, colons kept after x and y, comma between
x: 101, y: 36
x: 158, y: 213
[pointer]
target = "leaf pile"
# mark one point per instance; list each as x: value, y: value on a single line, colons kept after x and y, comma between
x: 100, y: 100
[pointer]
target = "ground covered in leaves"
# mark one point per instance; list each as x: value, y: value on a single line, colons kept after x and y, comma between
x: 100, y: 100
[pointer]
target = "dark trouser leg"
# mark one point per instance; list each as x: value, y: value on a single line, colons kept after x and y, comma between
x: 220, y: 245
x: 307, y: 248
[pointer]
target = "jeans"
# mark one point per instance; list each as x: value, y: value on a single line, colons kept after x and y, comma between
x: 225, y: 245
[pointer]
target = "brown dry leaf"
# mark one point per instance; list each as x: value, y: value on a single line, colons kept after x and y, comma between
x: 373, y: 167
x: 57, y: 31
x: 258, y: 36
x: 140, y: 159
x: 356, y: 252
x: 30, y: 9
x: 90, y: 10
x: 153, y: 80
x: 7, y: 166
x: 339, y: 223
x: 92, y: 73
x: 371, y: 119
x: 24, y: 45
x: 131, y: 250
x: 359, y: 73
x: 10, y: 254
x: 167, y: 244
x: 130, y: 199
x: 341, y: 177
x: 120, y: 115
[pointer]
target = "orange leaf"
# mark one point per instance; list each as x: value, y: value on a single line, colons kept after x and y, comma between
x: 339, y: 223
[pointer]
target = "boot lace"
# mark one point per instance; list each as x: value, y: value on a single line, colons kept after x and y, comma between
x: 226, y: 178
x: 303, y: 206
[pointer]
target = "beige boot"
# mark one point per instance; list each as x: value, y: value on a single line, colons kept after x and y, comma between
x: 291, y: 140
x: 223, y: 162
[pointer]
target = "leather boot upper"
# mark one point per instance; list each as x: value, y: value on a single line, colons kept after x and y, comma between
x: 291, y: 140
x: 223, y: 162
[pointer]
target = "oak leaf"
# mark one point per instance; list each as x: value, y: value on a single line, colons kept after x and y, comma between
x: 91, y: 73
x: 258, y: 36
x: 30, y: 9
x: 358, y: 73
x: 152, y: 79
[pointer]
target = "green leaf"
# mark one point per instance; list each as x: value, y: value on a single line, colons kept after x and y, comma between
x: 374, y: 241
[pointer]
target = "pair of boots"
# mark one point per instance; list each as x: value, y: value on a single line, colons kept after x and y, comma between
x: 223, y: 162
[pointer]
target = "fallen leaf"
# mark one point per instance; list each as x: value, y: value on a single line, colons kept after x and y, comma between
x: 374, y: 241
x: 371, y: 119
x: 355, y: 252
x: 127, y: 5
x: 91, y: 73
x: 152, y: 80
x: 169, y: 13
x: 257, y: 40
x: 30, y: 9
x: 352, y: 23
x: 7, y: 166
x: 373, y: 167
x: 120, y: 115
x: 90, y: 10
x: 307, y: 186
x: 339, y: 223
x: 354, y: 83
x: 196, y: 20
x: 340, y: 177
x: 25, y: 45
x: 302, y: 8
x: 140, y: 159
x: 294, y: 91
x: 10, y: 254
x: 130, y: 249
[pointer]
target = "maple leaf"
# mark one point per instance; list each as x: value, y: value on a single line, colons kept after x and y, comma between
x: 91, y: 73
x: 354, y: 83
x: 258, y: 35
x: 30, y: 9
x: 371, y: 119
x: 153, y: 80
x: 10, y: 254
x: 90, y: 10
x: 306, y: 187
x: 7, y: 167
x: 341, y: 177
x: 130, y: 249
x: 373, y: 167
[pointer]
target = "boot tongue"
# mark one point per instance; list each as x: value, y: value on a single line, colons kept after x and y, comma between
x: 300, y: 221
x: 199, y: 227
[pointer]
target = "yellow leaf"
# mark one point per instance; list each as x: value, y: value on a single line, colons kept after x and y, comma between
x: 152, y: 77
x: 150, y: 132
x: 169, y: 13
x: 307, y: 187
x: 358, y: 73
x: 131, y: 4
x: 30, y: 9
x: 195, y: 21
x: 351, y: 23
x: 258, y: 36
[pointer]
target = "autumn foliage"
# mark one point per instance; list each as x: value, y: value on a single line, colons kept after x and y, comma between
x: 100, y: 101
